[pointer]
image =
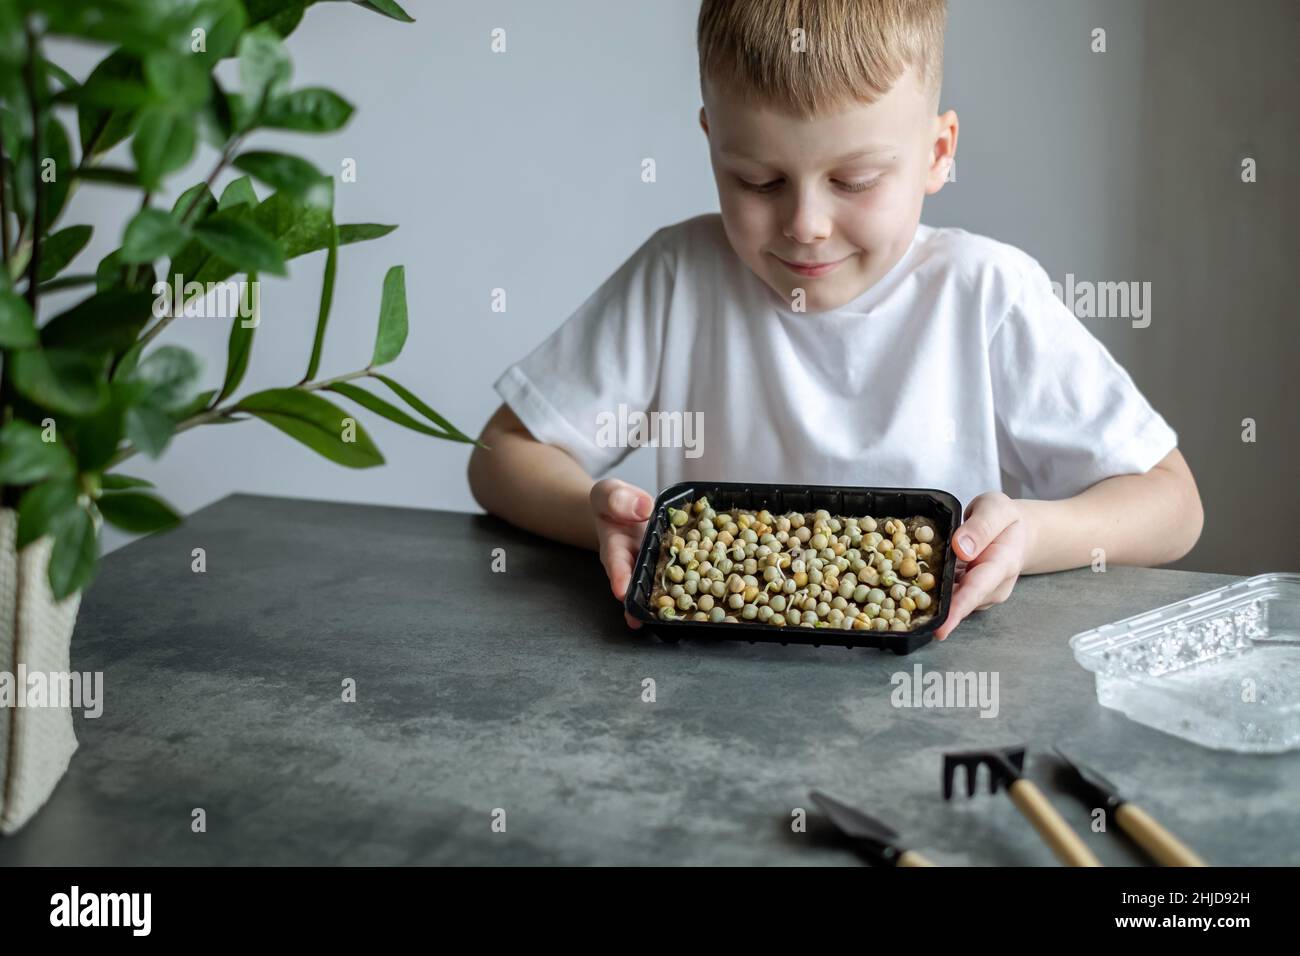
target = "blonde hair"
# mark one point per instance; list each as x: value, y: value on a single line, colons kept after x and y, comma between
x: 855, y: 50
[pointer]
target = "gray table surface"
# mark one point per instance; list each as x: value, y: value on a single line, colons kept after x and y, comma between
x: 522, y: 690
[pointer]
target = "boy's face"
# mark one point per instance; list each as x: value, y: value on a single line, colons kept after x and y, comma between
x: 791, y: 194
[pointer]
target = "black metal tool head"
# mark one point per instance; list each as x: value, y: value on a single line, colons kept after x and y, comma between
x: 878, y: 840
x: 1091, y: 787
x: 1005, y: 765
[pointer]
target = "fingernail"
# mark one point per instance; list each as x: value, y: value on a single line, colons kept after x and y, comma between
x: 967, y: 543
x: 622, y: 501
x: 642, y: 508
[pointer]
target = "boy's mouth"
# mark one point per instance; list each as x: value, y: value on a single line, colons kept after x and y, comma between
x: 810, y: 269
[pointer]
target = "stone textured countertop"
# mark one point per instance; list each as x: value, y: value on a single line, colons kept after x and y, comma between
x: 478, y: 690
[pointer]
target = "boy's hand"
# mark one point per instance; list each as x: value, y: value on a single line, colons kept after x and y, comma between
x: 993, y: 542
x: 621, y: 511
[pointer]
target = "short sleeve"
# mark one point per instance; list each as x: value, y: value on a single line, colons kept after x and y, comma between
x: 606, y: 354
x: 1068, y: 414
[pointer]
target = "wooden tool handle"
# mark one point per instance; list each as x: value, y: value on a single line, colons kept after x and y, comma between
x: 912, y: 858
x: 1155, y: 839
x: 1056, y: 833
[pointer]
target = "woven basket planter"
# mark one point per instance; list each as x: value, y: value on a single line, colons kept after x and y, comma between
x: 36, y: 743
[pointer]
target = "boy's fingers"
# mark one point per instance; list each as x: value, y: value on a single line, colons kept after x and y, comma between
x: 986, y: 518
x: 619, y: 568
x: 981, y: 580
x: 620, y: 502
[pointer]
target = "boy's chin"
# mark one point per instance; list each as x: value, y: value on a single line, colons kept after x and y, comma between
x: 817, y: 295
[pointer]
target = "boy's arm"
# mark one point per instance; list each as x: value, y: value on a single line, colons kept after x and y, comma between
x: 1142, y: 520
x: 1146, y: 519
x: 534, y: 486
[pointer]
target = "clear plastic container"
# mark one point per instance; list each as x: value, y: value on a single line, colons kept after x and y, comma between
x: 1221, y: 669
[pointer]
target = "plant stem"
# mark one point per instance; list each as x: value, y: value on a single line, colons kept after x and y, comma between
x: 225, y: 158
x: 166, y: 320
x: 213, y: 414
x: 133, y: 272
x: 38, y: 203
x: 4, y: 209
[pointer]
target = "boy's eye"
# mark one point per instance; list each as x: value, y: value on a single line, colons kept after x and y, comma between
x: 771, y: 186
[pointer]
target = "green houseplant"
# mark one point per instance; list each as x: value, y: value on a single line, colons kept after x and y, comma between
x: 85, y: 389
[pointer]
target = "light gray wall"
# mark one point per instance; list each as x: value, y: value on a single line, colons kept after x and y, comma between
x: 522, y: 171
x: 1221, y: 256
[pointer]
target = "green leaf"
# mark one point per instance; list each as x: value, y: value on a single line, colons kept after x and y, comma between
x: 109, y: 94
x: 111, y: 175
x: 299, y: 228
x: 137, y: 512
x: 167, y: 376
x: 60, y: 380
x: 164, y: 142
x: 326, y: 299
x: 407, y: 396
x: 120, y: 482
x: 102, y: 129
x: 281, y: 15
x: 66, y: 79
x: 56, y: 148
x: 316, y: 423
x: 216, y: 120
x: 125, y: 367
x: 67, y: 282
x: 60, y: 248
x: 242, y: 243
x: 223, y: 22
x: 238, y: 350
x: 185, y: 212
x: 291, y: 175
x: 179, y: 78
x: 150, y: 235
x: 351, y: 232
x: 310, y: 110
x: 26, y: 457
x: 392, y: 317
x: 261, y: 11
x: 43, y: 507
x: 149, y: 429
x: 108, y: 321
x: 391, y: 412
x: 138, y: 25
x: 264, y: 71
x: 96, y: 438
x: 17, y: 327
x: 19, y: 174
x: 238, y: 192
x: 388, y: 8
x: 111, y: 272
x: 72, y: 559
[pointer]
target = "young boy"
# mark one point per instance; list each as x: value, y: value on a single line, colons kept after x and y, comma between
x: 825, y: 336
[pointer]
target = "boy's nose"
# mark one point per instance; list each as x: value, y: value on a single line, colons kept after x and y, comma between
x: 807, y: 221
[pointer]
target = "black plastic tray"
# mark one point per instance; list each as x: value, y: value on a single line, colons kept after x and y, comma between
x: 940, y: 506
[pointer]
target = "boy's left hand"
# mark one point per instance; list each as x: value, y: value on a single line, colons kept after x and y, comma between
x: 993, y: 541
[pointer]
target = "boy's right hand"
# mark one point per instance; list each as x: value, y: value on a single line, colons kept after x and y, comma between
x: 622, y: 511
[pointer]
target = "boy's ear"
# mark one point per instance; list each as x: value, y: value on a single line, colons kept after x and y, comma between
x: 704, y: 122
x: 943, y: 154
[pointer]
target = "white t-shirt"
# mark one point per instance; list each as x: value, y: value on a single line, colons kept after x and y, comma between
x: 959, y: 370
